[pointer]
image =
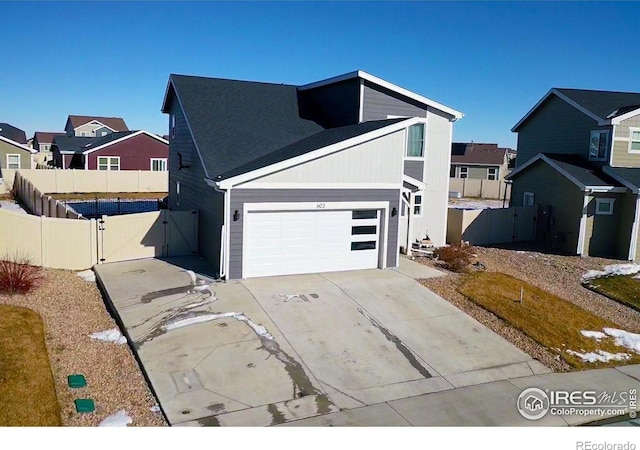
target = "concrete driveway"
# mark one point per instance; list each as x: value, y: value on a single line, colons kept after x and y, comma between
x: 271, y: 350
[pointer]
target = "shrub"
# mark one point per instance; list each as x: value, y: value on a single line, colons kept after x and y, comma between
x: 18, y: 275
x: 456, y: 257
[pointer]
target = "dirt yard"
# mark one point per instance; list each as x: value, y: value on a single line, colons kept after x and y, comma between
x: 72, y: 309
x: 557, y: 274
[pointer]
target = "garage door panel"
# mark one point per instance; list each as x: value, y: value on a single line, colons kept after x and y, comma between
x: 295, y: 242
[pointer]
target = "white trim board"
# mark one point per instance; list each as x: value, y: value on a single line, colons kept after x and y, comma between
x: 387, y: 85
x: 318, y: 153
x: 124, y: 138
x: 564, y: 173
x: 18, y: 144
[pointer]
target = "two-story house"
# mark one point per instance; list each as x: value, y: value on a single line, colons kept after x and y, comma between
x: 93, y: 126
x: 579, y: 160
x: 42, y: 142
x: 333, y: 175
x: 479, y: 161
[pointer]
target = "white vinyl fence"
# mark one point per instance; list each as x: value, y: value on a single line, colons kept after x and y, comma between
x: 471, y: 187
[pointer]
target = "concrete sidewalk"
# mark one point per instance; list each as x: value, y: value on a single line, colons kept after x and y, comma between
x: 489, y: 404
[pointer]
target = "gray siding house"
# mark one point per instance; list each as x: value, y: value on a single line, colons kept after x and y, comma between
x: 14, y: 155
x: 579, y: 159
x: 479, y: 161
x: 94, y: 126
x: 333, y: 175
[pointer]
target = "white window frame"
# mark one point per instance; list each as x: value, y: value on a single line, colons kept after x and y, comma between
x: 424, y: 139
x: 494, y: 174
x: 109, y: 162
x: 466, y: 172
x: 152, y: 160
x: 9, y: 164
x: 631, y: 141
x: 604, y: 201
x: 177, y: 193
x: 528, y: 199
x: 172, y: 126
x: 606, y: 151
x: 419, y: 207
x: 103, y: 133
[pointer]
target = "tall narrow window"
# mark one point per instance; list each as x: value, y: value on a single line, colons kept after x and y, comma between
x: 177, y: 193
x: 172, y: 126
x: 492, y: 173
x: 417, y: 205
x: 464, y: 172
x: 634, y: 140
x: 415, y: 143
x: 528, y: 199
x: 598, y: 145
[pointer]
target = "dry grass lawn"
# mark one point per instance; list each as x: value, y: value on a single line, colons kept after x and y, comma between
x: 621, y: 288
x: 27, y: 390
x: 547, y: 319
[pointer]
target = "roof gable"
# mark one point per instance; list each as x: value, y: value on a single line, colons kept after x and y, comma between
x: 475, y: 153
x: 18, y: 145
x: 46, y: 137
x: 113, y: 123
x: 601, y: 106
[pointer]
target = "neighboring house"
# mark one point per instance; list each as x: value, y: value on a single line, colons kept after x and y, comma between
x: 579, y: 159
x: 42, y: 141
x: 13, y: 133
x: 93, y: 126
x: 128, y: 150
x: 479, y: 161
x: 14, y: 155
x: 333, y: 175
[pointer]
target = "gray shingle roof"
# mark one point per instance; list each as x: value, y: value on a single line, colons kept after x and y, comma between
x: 13, y: 133
x: 581, y: 170
x: 602, y: 103
x: 476, y: 153
x: 78, y: 144
x: 236, y: 122
x: 631, y: 174
x: 314, y: 142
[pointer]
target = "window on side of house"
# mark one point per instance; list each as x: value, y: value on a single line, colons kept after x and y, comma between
x: 177, y: 193
x: 528, y: 199
x: 452, y: 172
x: 172, y: 126
x: 159, y: 164
x: 634, y: 140
x: 417, y: 205
x: 415, y: 141
x: 598, y: 145
x: 604, y: 206
x: 13, y: 161
x: 492, y: 173
x: 108, y: 163
x: 464, y: 172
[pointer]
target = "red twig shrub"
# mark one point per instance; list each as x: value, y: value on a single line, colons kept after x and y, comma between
x: 456, y: 257
x: 18, y: 275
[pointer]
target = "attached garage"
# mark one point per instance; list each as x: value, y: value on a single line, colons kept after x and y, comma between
x: 291, y: 239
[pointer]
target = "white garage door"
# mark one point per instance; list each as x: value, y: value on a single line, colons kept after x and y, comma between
x: 293, y: 242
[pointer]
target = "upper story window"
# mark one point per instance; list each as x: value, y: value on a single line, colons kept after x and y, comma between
x: 415, y: 142
x: 492, y: 173
x: 634, y: 140
x: 598, y: 145
x: 528, y: 199
x: 172, y: 126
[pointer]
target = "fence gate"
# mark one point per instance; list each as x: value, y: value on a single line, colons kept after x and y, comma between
x: 147, y: 235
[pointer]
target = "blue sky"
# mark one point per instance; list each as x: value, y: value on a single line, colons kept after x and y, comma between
x: 492, y: 61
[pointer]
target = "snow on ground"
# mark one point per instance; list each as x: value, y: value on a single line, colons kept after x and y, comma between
x: 113, y: 335
x: 258, y: 329
x: 624, y: 338
x: 597, y: 335
x: 87, y: 275
x: 600, y: 356
x: 613, y: 269
x: 11, y: 206
x: 475, y: 203
x: 119, y: 419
